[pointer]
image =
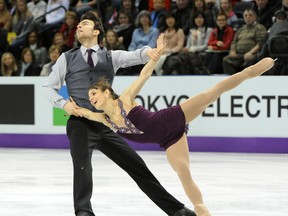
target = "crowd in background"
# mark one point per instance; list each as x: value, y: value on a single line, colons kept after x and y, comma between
x: 204, y: 36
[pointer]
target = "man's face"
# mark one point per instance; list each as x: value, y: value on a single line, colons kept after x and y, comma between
x: 85, y: 29
x: 249, y: 17
x: 261, y: 3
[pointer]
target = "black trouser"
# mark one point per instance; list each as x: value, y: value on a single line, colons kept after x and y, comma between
x: 85, y: 136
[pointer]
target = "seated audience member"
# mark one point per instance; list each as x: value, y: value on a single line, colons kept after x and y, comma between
x: 58, y: 40
x: 27, y: 66
x: 111, y: 41
x: 22, y: 24
x: 264, y: 12
x: 38, y: 9
x: 200, y: 6
x: 8, y: 65
x: 68, y: 29
x: 40, y: 52
x: 144, y: 35
x: 158, y: 14
x: 246, y: 44
x: 5, y: 17
x: 276, y: 45
x: 54, y: 53
x: 182, y: 13
x: 124, y: 28
x: 54, y: 18
x: 189, y: 61
x: 175, y: 40
x: 218, y: 44
x: 82, y: 6
x: 226, y: 7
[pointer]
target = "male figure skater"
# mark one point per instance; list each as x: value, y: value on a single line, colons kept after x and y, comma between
x: 79, y: 68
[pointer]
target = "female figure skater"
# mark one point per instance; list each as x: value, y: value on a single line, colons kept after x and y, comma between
x: 165, y: 127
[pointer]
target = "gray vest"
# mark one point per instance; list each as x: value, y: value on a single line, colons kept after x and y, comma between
x: 80, y: 76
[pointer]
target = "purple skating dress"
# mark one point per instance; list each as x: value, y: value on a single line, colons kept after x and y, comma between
x: 164, y: 127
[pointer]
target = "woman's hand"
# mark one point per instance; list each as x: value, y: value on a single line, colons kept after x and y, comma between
x: 161, y: 43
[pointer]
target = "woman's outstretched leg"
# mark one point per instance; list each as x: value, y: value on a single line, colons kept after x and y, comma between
x: 194, y: 106
x: 178, y: 157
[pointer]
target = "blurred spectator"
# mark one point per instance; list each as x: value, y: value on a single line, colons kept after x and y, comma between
x: 149, y: 5
x: 5, y: 17
x: 200, y: 6
x: 22, y: 24
x: 54, y: 18
x: 54, y: 53
x: 144, y: 34
x: 218, y: 45
x: 158, y: 14
x: 68, y: 29
x: 175, y: 40
x: 37, y: 8
x: 58, y: 40
x: 35, y: 43
x: 212, y: 6
x: 126, y: 5
x: 111, y: 41
x: 182, y: 12
x: 125, y: 28
x: 189, y: 61
x: 226, y: 7
x: 8, y: 65
x: 82, y: 6
x: 27, y: 66
x: 246, y: 44
x: 264, y: 12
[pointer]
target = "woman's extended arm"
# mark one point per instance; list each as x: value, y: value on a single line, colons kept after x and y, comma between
x: 146, y: 71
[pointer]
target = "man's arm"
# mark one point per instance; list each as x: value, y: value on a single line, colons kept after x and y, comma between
x: 123, y: 59
x: 54, y: 83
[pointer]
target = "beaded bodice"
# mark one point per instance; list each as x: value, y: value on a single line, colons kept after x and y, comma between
x: 130, y: 128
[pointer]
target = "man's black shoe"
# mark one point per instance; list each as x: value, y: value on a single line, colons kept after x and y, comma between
x: 185, y: 212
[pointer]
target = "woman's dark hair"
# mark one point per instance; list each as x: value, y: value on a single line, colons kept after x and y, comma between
x: 199, y: 14
x: 167, y: 15
x: 103, y: 84
x: 90, y: 15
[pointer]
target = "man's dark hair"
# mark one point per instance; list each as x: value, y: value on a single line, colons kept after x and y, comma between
x: 90, y: 15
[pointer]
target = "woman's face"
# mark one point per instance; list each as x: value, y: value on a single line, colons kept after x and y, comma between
x: 144, y: 20
x: 20, y: 6
x: 199, y: 21
x: 123, y: 19
x: 170, y: 21
x: 224, y: 4
x: 199, y: 3
x: 97, y: 98
x: 110, y: 37
x: 8, y: 60
x: 127, y: 4
x: 27, y: 57
x: 54, y: 55
x: 58, y: 40
x: 70, y: 20
x: 221, y: 21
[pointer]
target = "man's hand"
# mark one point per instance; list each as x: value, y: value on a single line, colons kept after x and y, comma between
x: 71, y: 108
x: 153, y: 54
